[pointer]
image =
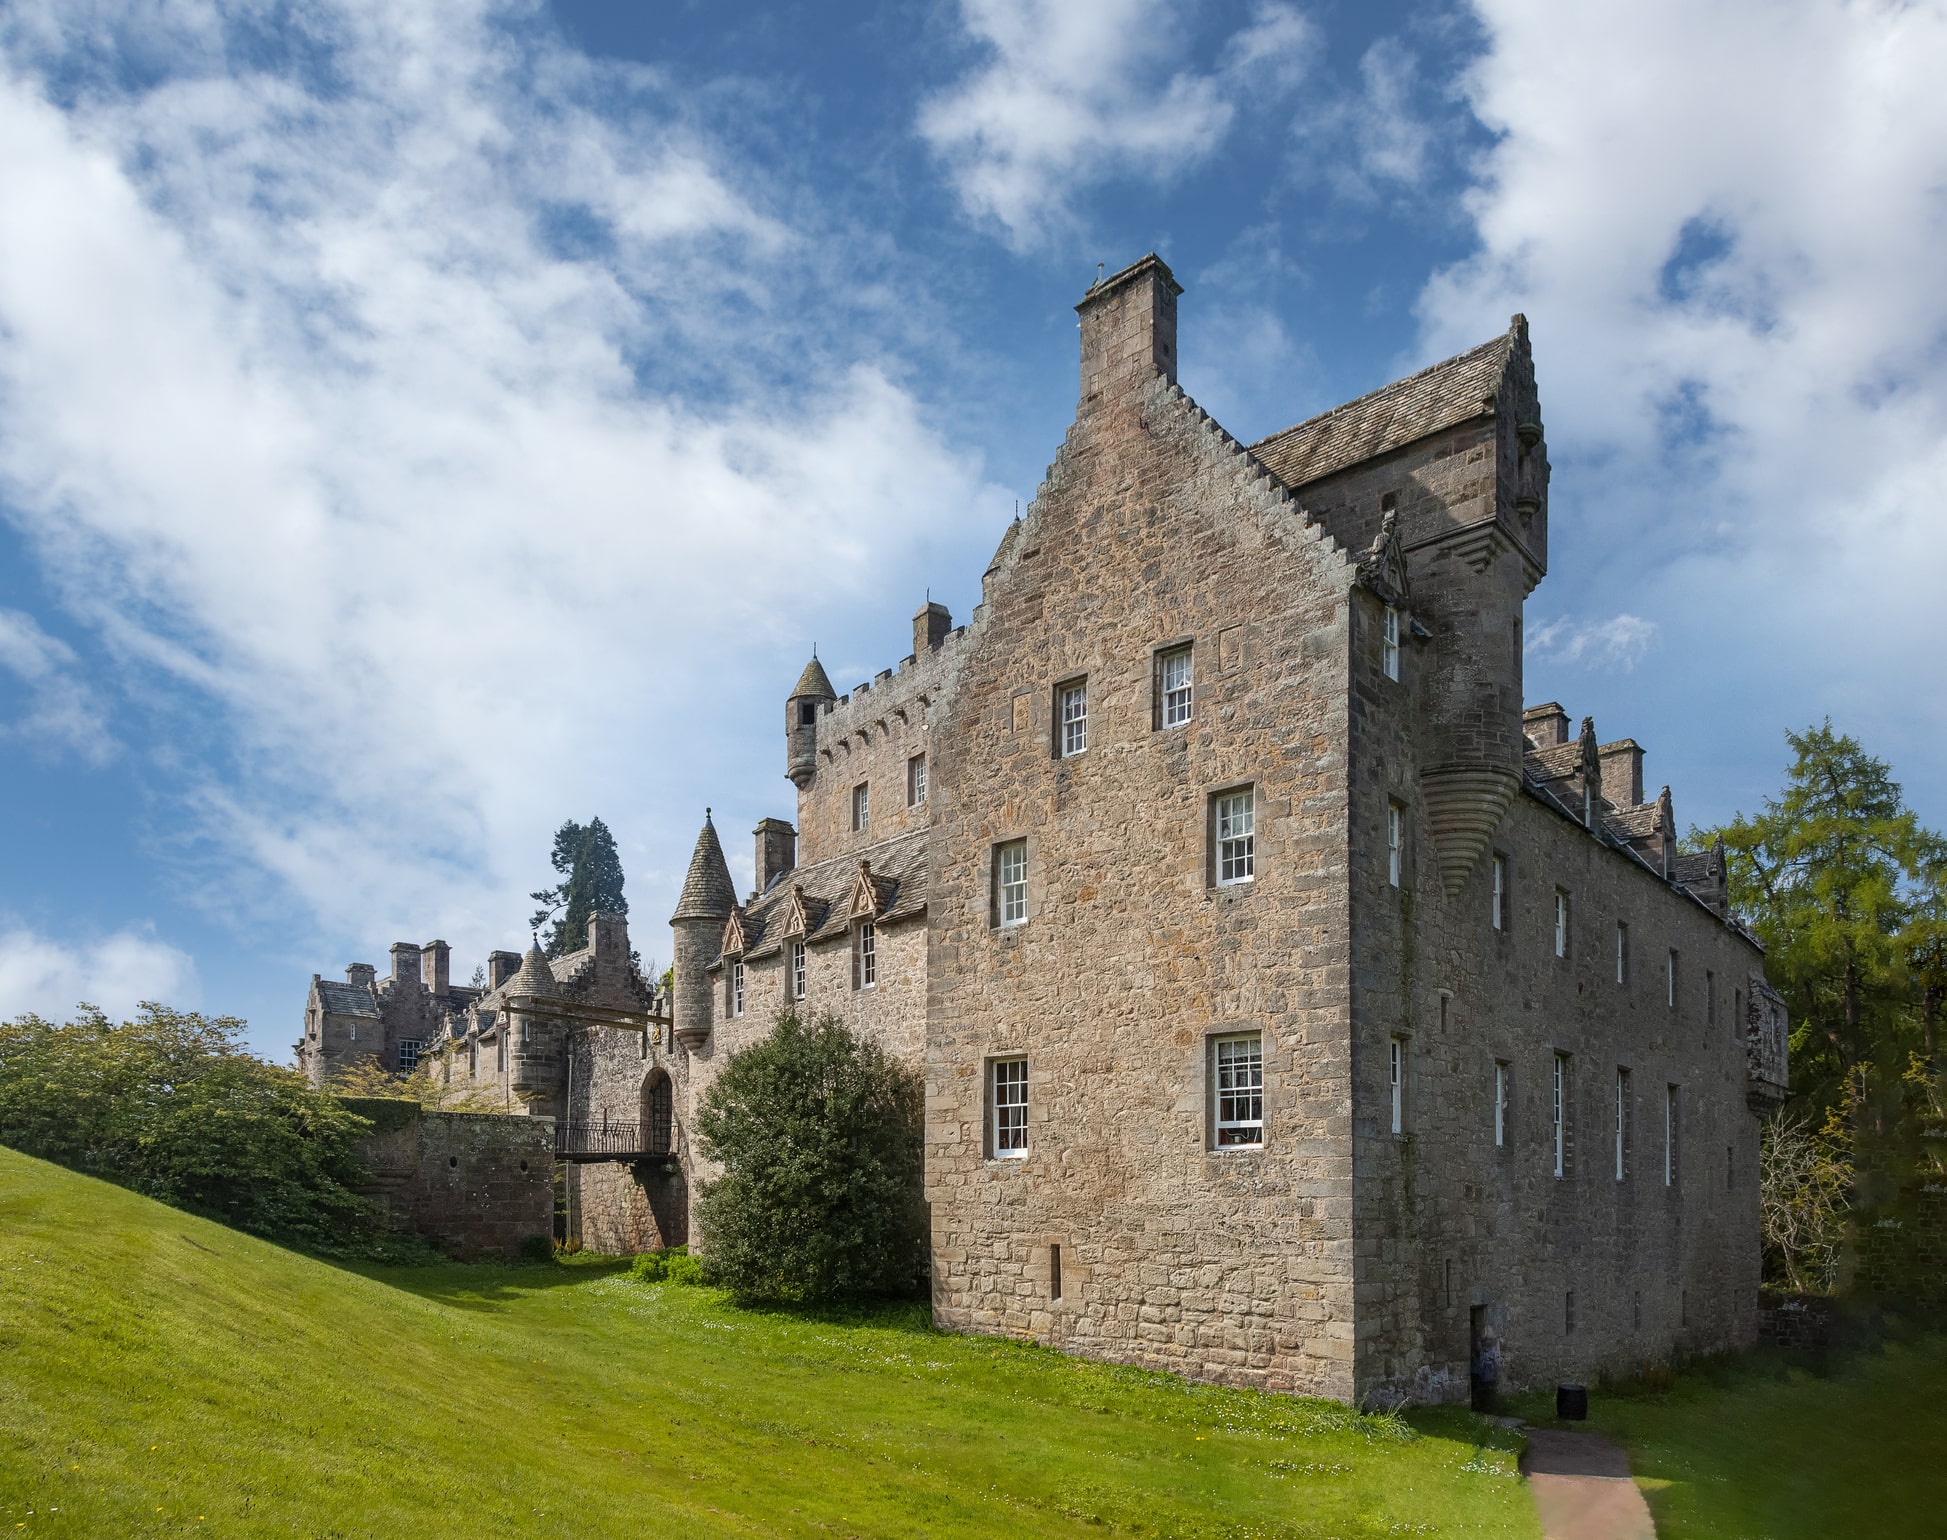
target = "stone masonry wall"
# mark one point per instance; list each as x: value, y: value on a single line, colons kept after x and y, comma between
x: 472, y: 1183
x: 1153, y: 529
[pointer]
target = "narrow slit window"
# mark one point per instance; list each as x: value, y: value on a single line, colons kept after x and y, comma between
x: 1396, y: 1083
x: 1237, y: 1067
x: 1071, y: 718
x: 1008, y: 1095
x: 1395, y: 841
x: 1235, y: 816
x: 1389, y: 645
x: 1622, y: 1124
x: 736, y: 989
x: 1561, y: 1114
x: 1011, y: 882
x: 916, y: 781
x: 861, y: 806
x: 1501, y: 1076
x: 1173, y: 687
x: 1670, y: 980
x: 1561, y: 923
x: 799, y: 972
x: 1670, y: 1133
x: 1054, y: 1272
x: 1622, y: 953
x: 1710, y: 998
x: 1499, y: 912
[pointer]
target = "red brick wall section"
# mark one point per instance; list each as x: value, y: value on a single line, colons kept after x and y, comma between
x: 472, y: 1183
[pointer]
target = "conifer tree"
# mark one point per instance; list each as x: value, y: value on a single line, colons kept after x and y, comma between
x: 591, y: 871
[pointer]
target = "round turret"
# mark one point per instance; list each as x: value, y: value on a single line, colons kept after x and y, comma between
x: 810, y: 696
x: 707, y: 901
x: 534, y: 1048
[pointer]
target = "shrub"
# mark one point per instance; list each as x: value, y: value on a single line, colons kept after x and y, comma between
x: 682, y: 1268
x: 651, y: 1266
x: 536, y: 1248
x: 819, y: 1135
x: 668, y: 1264
x: 172, y: 1105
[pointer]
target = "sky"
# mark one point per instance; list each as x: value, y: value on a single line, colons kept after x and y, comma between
x: 425, y: 421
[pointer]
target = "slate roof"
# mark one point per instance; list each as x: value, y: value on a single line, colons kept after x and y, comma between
x: 342, y: 999
x: 1395, y: 415
x: 708, y: 892
x: 1556, y: 762
x: 898, y: 874
x: 814, y: 681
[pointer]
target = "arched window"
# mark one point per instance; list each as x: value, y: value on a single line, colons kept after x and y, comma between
x: 657, y: 1113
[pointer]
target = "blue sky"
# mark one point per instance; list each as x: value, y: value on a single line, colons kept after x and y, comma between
x: 424, y: 422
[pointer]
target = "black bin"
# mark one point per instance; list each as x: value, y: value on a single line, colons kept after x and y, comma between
x: 1572, y: 1403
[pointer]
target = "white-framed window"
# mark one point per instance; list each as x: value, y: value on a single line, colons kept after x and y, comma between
x: 1011, y: 882
x: 1396, y: 1083
x: 1071, y: 717
x: 1237, y: 1078
x: 1622, y: 1123
x: 527, y: 1029
x: 1670, y: 980
x: 1007, y: 1096
x: 1173, y: 687
x: 1389, y: 645
x: 410, y: 1049
x: 736, y: 987
x: 1503, y: 1075
x: 1671, y: 1111
x: 799, y: 971
x: 1561, y: 1114
x: 1395, y: 841
x: 861, y: 805
x: 1498, y: 913
x: 1622, y: 953
x: 865, y: 956
x: 916, y: 780
x: 1561, y: 923
x: 354, y: 1036
x: 1234, y: 831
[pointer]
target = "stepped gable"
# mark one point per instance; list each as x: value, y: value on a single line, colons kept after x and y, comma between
x: 708, y: 892
x: 1459, y: 389
x: 898, y: 877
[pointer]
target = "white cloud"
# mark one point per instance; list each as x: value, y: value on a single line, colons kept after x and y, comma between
x: 1617, y: 642
x: 1076, y: 92
x: 61, y: 712
x: 1725, y: 222
x: 429, y: 525
x: 49, y: 978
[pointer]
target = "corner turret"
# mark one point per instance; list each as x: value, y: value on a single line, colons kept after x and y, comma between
x: 535, y: 1050
x: 801, y: 723
x: 707, y: 901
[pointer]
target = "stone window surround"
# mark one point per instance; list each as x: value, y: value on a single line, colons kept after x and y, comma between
x: 1070, y: 716
x: 734, y: 986
x: 1389, y: 644
x: 1503, y: 1101
x: 1622, y: 952
x: 1396, y: 1058
x: 800, y: 969
x: 1004, y: 1082
x: 1563, y: 1088
x: 865, y: 955
x: 1160, y: 656
x: 1562, y: 920
x: 1498, y: 896
x: 1395, y: 842
x: 1216, y: 840
x: 916, y: 780
x: 861, y: 806
x: 1005, y: 894
x: 1213, y: 1044
x: 1623, y: 1120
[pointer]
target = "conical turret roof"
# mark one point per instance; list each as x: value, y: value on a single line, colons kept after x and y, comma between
x: 708, y: 892
x: 535, y: 976
x: 813, y: 681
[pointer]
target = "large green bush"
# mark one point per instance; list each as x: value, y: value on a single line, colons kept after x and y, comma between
x: 172, y: 1105
x: 819, y: 1135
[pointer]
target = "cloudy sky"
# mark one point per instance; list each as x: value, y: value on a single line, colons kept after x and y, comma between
x: 425, y: 420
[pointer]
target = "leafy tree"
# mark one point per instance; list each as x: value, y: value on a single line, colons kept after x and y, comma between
x: 591, y: 871
x: 1825, y: 873
x: 172, y: 1105
x: 1805, y: 1179
x: 820, y: 1137
x: 366, y: 1076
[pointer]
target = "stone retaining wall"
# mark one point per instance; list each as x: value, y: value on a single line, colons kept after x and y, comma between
x: 469, y: 1182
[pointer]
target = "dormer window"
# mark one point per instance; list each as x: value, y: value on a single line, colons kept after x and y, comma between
x: 1389, y: 645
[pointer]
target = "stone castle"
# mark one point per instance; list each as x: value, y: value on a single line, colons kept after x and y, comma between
x: 1296, y: 1009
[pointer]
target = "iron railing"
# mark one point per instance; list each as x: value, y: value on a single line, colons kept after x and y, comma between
x: 609, y: 1139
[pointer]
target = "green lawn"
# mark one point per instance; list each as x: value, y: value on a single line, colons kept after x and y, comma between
x: 160, y: 1374
x: 1757, y: 1449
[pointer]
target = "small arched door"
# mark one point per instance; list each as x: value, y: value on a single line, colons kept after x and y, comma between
x: 658, y: 1113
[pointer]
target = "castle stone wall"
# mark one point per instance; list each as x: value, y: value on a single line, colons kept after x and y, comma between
x: 471, y: 1183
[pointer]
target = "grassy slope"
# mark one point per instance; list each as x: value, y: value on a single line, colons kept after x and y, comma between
x: 159, y: 1373
x: 1759, y: 1448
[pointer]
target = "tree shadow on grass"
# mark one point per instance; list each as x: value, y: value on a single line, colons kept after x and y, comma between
x: 488, y: 1285
x: 911, y: 1317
